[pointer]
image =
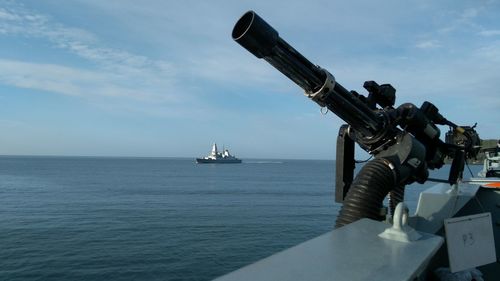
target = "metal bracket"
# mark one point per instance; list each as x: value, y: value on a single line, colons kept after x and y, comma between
x: 400, y: 231
x: 345, y: 164
x: 325, y: 90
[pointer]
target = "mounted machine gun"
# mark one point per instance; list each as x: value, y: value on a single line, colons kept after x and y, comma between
x: 404, y: 140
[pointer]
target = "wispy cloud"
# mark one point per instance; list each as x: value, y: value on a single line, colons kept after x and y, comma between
x: 490, y: 53
x: 9, y: 124
x: 111, y: 72
x: 430, y: 44
x: 461, y: 19
x: 17, y: 20
x: 116, y: 73
x: 70, y: 81
x: 488, y: 33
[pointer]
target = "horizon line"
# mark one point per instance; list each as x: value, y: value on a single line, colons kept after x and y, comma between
x: 139, y: 157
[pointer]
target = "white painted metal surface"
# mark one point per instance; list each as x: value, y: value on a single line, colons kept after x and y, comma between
x: 353, y: 252
x: 438, y: 203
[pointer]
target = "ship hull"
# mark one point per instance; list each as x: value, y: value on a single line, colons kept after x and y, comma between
x: 217, y: 161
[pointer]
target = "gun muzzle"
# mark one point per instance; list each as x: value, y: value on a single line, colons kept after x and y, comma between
x: 262, y: 40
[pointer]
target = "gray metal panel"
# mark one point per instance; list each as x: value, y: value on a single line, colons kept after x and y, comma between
x: 438, y: 203
x: 353, y: 252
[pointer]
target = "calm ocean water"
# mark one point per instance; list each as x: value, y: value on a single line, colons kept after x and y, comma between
x: 83, y: 218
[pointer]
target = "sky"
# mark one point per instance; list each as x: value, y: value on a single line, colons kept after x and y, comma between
x: 165, y: 79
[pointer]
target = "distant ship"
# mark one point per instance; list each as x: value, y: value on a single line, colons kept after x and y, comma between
x: 218, y: 157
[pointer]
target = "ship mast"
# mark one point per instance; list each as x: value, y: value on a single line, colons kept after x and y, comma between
x: 214, y: 149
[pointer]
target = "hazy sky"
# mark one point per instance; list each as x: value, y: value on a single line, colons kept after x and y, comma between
x: 164, y: 78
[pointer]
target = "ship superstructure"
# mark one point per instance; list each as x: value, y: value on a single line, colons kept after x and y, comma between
x: 216, y: 157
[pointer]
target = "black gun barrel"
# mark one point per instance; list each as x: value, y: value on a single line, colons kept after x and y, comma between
x: 262, y: 40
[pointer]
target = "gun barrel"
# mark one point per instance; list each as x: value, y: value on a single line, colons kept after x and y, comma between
x: 262, y: 40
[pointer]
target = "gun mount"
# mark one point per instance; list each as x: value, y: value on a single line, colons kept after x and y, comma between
x: 404, y: 140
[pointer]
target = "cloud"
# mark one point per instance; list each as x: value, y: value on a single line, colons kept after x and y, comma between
x: 17, y: 20
x: 488, y: 33
x: 115, y: 72
x: 457, y: 20
x: 469, y: 13
x: 70, y: 81
x: 9, y: 124
x: 490, y: 52
x: 6, y: 15
x: 121, y: 74
x: 430, y: 44
x: 197, y: 43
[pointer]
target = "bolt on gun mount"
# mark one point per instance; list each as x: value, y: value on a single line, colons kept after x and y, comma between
x: 402, y: 155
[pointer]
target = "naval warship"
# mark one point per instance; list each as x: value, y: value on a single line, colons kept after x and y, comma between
x: 216, y: 157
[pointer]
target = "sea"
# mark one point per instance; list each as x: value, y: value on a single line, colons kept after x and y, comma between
x: 103, y: 218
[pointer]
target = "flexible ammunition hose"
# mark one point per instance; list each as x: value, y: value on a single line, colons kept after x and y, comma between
x: 367, y: 193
